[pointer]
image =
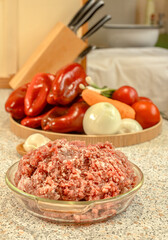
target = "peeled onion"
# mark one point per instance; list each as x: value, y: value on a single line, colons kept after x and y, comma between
x: 101, y: 118
x: 129, y: 125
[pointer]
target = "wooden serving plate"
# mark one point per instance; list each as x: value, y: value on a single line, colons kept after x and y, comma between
x: 118, y: 140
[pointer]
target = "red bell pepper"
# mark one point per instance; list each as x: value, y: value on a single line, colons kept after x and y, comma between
x: 55, y: 112
x: 36, y: 96
x: 65, y: 87
x: 71, y: 121
x: 32, y: 122
x: 35, y: 122
x: 50, y: 98
x: 15, y: 102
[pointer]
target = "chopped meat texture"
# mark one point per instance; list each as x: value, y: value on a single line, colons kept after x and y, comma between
x: 72, y: 171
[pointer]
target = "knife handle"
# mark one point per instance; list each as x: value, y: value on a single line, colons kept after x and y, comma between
x: 81, y: 13
x: 98, y: 4
x: 96, y: 27
x: 87, y: 50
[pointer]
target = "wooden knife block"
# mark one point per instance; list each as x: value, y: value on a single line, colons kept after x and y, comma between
x: 61, y: 47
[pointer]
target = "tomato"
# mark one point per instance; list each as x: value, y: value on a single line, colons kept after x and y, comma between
x: 144, y: 99
x: 146, y: 113
x: 126, y: 94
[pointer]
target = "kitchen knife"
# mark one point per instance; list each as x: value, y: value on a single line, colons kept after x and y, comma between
x: 81, y: 13
x: 96, y: 27
x: 87, y: 50
x: 98, y: 4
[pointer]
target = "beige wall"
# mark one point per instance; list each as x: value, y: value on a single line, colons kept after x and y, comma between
x: 122, y: 11
x: 130, y: 11
x: 8, y: 37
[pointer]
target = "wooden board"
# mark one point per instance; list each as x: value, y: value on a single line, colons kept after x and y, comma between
x: 61, y: 47
x: 118, y: 140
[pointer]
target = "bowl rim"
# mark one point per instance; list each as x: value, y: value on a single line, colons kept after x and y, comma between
x: 131, y: 26
x: 51, y: 201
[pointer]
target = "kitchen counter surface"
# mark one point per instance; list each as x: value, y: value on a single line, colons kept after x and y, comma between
x: 145, y: 218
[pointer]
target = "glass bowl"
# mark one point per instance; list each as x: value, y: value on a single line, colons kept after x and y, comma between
x: 73, y: 211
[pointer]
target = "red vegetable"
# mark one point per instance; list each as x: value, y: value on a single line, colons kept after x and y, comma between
x: 55, y: 112
x: 70, y: 119
x: 15, y: 102
x: 144, y: 99
x: 126, y: 94
x: 146, y: 113
x: 65, y: 87
x: 35, y: 122
x: 32, y: 122
x: 50, y: 98
x: 36, y: 95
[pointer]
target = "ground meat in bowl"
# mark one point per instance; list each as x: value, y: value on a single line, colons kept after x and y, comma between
x: 64, y: 170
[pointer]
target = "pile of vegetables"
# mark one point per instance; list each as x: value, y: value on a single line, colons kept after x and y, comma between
x: 70, y: 102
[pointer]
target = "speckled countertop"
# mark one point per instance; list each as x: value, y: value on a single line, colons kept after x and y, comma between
x: 145, y: 218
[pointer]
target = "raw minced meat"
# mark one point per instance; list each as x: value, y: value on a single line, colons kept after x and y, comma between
x: 64, y: 170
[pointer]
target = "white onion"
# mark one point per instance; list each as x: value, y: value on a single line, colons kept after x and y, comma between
x: 129, y: 125
x: 101, y: 118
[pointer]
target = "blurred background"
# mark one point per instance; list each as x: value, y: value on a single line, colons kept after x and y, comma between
x: 146, y: 13
x: 135, y: 11
x: 25, y: 23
